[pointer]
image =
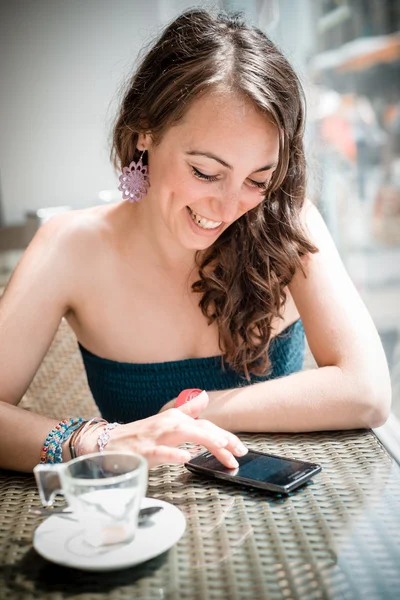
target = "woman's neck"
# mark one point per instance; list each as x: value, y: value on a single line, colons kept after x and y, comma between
x: 146, y: 236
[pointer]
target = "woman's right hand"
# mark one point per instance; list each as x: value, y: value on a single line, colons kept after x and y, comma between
x: 157, y: 437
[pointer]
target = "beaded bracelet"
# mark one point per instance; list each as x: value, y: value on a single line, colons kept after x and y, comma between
x: 52, y: 447
x: 186, y: 396
x: 48, y: 450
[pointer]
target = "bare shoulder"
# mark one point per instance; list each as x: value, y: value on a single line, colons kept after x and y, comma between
x: 60, y: 256
x: 75, y: 230
x: 50, y: 280
x: 318, y: 234
x: 313, y: 223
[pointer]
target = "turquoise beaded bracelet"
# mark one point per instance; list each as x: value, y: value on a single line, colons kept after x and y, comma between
x: 52, y: 447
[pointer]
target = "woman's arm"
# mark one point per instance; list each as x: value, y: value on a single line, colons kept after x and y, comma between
x: 39, y: 293
x: 350, y: 389
x: 31, y: 308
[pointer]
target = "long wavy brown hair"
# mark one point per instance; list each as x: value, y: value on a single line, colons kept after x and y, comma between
x: 243, y: 275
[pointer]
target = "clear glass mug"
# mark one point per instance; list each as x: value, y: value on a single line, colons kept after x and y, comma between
x: 104, y: 490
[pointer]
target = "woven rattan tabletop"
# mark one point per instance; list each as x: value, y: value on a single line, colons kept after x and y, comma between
x: 338, y: 537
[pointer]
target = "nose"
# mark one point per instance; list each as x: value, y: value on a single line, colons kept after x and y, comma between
x: 227, y: 206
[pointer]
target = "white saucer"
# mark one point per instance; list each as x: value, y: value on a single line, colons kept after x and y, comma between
x: 60, y: 540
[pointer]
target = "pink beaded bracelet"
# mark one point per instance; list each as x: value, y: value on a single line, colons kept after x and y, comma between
x: 186, y: 396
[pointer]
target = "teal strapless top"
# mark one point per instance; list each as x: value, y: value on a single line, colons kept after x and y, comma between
x: 127, y: 392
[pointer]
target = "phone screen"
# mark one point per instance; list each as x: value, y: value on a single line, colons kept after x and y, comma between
x: 259, y: 469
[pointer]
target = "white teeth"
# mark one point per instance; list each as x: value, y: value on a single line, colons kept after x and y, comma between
x: 202, y: 222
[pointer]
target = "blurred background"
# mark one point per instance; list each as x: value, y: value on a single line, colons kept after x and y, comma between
x: 62, y: 65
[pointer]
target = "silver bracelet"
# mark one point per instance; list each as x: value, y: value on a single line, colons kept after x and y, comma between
x: 104, y: 437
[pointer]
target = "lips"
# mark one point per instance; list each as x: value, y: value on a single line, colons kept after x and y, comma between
x: 203, y: 222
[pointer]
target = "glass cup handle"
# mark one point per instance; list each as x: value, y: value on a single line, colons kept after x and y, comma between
x: 48, y: 481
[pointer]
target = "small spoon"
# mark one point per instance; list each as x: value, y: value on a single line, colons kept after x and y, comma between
x: 144, y: 513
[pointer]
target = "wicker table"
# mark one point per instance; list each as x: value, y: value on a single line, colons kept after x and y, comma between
x: 338, y: 537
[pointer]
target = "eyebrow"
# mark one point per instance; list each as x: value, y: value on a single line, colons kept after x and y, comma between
x: 225, y: 164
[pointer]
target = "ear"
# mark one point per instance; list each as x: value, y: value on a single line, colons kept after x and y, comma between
x: 144, y: 141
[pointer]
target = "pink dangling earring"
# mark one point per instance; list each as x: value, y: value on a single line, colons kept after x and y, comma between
x: 134, y: 181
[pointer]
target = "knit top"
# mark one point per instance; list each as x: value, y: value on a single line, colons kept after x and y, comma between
x: 126, y: 392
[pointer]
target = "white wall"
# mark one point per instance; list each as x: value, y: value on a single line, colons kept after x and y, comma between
x: 61, y: 62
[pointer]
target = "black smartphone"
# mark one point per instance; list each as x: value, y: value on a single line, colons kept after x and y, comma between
x: 258, y: 470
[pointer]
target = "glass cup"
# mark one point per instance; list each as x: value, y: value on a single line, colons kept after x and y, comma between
x: 104, y: 490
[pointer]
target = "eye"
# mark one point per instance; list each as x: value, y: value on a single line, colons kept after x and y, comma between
x: 203, y: 176
x: 261, y: 185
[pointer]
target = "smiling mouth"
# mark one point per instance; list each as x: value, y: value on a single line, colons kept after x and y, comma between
x: 202, y: 221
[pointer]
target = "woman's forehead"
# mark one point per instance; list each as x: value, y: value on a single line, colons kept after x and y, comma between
x: 223, y: 107
x: 220, y: 120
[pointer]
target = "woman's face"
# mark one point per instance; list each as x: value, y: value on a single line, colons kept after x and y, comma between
x: 210, y: 168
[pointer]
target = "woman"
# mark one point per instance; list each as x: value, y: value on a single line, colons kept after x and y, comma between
x: 208, y: 281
